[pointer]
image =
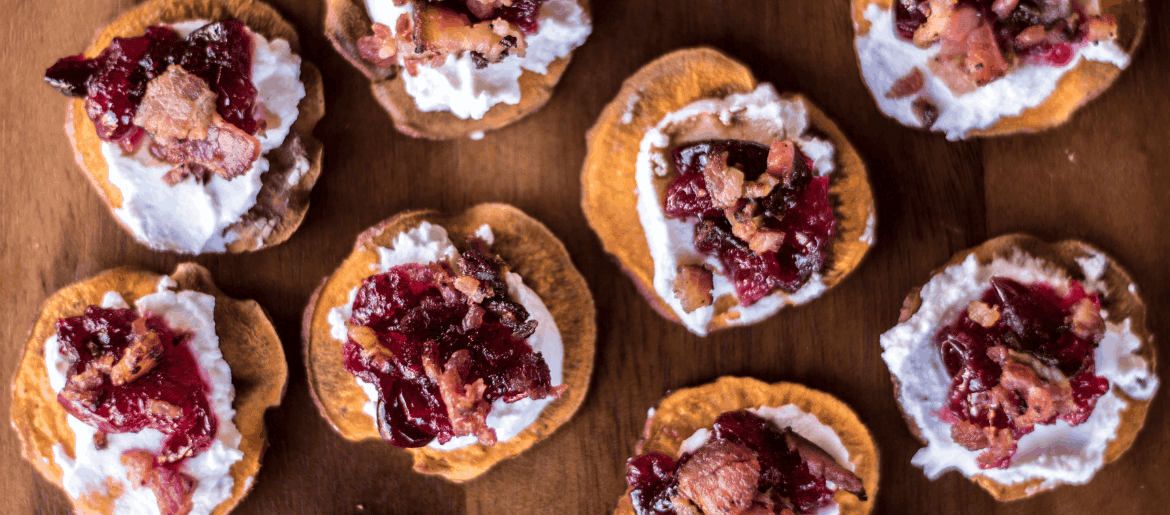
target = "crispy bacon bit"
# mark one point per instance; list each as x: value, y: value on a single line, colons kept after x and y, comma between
x: 1101, y: 28
x: 172, y: 489
x: 381, y: 48
x: 227, y: 151
x: 761, y: 187
x: 969, y: 435
x: 163, y: 409
x: 692, y: 287
x: 908, y: 85
x: 1086, y: 321
x: 379, y: 356
x: 100, y: 440
x: 484, y: 8
x: 683, y: 506
x: 938, y: 18
x: 782, y: 162
x: 982, y: 314
x: 1000, y: 447
x: 84, y: 388
x: 766, y: 241
x: 821, y: 464
x: 724, y: 183
x: 745, y: 221
x: 140, y: 357
x: 1003, y: 8
x: 1031, y: 37
x: 469, y: 286
x: 985, y: 61
x: 926, y: 111
x: 474, y: 317
x: 720, y: 478
x: 177, y: 105
x: 466, y: 406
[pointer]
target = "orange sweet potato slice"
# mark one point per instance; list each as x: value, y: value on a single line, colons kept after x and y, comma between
x: 280, y: 206
x: 346, y: 21
x: 1076, y: 88
x: 667, y: 85
x: 531, y: 251
x: 246, y: 337
x: 1120, y: 302
x: 681, y: 413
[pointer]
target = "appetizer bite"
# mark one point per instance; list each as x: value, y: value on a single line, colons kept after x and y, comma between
x: 155, y: 408
x: 465, y: 355
x: 193, y: 121
x: 990, y: 67
x: 723, y: 200
x: 456, y: 68
x: 741, y: 446
x: 1024, y: 365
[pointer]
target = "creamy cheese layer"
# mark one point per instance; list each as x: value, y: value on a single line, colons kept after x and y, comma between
x: 193, y: 218
x: 885, y: 58
x: 761, y: 116
x: 1056, y: 453
x: 803, y: 424
x: 469, y: 92
x: 91, y: 470
x: 429, y: 243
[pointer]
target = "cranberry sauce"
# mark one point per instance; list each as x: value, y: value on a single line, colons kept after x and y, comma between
x: 801, y: 211
x: 1034, y: 320
x: 1056, y: 52
x: 653, y: 477
x: 147, y: 401
x: 414, y: 318
x: 114, y: 82
x: 524, y: 14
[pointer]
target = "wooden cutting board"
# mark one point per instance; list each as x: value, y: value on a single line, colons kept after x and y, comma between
x: 1102, y: 177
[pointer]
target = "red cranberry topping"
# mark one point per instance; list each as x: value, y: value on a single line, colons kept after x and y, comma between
x: 120, y: 384
x: 422, y: 313
x: 114, y: 83
x: 1039, y: 325
x: 798, y: 208
x: 785, y: 477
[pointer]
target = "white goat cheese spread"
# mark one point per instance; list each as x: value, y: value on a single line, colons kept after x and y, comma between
x: 91, y: 470
x: 429, y: 243
x: 469, y: 92
x: 885, y: 58
x: 803, y: 424
x: 1056, y: 453
x: 761, y: 114
x: 193, y: 218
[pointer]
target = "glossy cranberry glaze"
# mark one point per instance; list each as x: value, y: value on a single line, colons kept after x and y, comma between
x: 1033, y: 321
x: 653, y: 477
x: 114, y: 83
x: 408, y: 313
x: 524, y: 14
x: 176, y: 380
x: 802, y: 211
x: 1006, y: 30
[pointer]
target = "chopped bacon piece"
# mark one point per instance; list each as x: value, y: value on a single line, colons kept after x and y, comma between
x: 783, y: 163
x: 172, y: 489
x: 724, y: 183
x: 382, y: 48
x: 1003, y: 8
x: 822, y: 465
x: 720, y: 478
x: 379, y: 356
x: 140, y: 357
x: 926, y: 111
x: 484, y: 8
x: 766, y: 241
x: 1031, y: 37
x: 163, y: 409
x: 469, y: 286
x: 1086, y: 321
x: 761, y: 187
x: 1101, y: 28
x: 985, y: 61
x: 100, y: 440
x: 982, y: 314
x: 227, y: 151
x: 938, y: 17
x: 692, y: 287
x: 177, y: 105
x: 969, y: 435
x: 474, y: 317
x: 1001, y: 447
x: 84, y: 388
x: 682, y: 506
x: 908, y: 85
x: 744, y: 221
x: 466, y: 406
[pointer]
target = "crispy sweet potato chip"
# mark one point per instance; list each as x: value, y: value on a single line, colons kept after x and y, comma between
x: 681, y: 413
x: 346, y: 21
x: 667, y: 85
x: 1080, y: 85
x: 531, y: 251
x: 280, y: 207
x: 246, y: 337
x: 1120, y: 302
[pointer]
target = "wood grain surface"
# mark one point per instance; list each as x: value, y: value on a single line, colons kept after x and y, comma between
x: 1102, y: 177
